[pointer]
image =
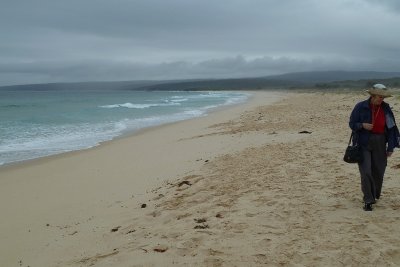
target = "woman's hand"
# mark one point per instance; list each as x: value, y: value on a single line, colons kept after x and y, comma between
x: 367, y: 126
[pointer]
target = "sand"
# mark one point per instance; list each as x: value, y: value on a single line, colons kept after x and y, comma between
x: 240, y: 187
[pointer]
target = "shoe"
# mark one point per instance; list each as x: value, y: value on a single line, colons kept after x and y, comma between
x: 367, y: 207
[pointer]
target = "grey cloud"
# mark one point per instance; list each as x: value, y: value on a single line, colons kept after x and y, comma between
x: 83, y: 40
x: 390, y: 5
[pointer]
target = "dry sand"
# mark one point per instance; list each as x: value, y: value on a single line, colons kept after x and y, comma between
x: 240, y: 187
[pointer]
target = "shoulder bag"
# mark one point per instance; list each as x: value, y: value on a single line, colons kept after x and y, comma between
x: 353, y: 152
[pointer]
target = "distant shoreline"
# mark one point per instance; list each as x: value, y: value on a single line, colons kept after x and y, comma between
x: 324, y: 80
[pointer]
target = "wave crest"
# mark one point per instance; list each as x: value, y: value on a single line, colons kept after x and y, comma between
x: 138, y: 106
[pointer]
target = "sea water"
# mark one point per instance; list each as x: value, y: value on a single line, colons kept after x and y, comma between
x: 34, y: 124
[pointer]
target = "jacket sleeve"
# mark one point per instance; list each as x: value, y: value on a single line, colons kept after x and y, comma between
x: 393, y: 139
x: 355, y: 120
x: 393, y: 135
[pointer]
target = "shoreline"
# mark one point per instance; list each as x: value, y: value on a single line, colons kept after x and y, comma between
x: 60, y: 191
x: 128, y: 134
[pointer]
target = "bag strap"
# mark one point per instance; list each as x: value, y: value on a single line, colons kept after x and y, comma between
x: 351, y: 137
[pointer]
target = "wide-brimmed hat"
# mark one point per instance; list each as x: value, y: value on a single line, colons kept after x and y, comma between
x: 379, y: 89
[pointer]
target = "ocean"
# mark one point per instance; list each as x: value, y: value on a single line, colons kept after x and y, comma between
x: 35, y: 124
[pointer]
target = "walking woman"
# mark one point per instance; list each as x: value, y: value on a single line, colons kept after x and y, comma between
x: 374, y: 128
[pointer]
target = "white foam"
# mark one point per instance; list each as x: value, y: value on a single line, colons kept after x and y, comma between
x: 237, y: 99
x: 179, y: 100
x: 137, y: 106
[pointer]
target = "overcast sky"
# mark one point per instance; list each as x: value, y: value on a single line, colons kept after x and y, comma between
x: 102, y: 40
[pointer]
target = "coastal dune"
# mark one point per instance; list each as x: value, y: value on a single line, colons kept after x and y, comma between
x: 258, y: 184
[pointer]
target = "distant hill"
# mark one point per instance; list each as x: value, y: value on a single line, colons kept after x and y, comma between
x: 331, y: 76
x: 122, y: 85
x: 227, y: 84
x: 298, y: 80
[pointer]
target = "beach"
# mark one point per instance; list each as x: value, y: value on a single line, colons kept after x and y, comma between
x: 261, y: 183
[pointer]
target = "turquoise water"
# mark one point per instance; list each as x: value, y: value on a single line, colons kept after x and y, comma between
x: 40, y: 123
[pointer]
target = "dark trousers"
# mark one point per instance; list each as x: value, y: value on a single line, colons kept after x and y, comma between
x: 373, y: 167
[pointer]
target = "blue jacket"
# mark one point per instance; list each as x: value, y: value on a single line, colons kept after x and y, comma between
x: 362, y: 113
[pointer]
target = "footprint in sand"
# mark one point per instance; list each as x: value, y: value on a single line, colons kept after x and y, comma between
x: 394, y: 254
